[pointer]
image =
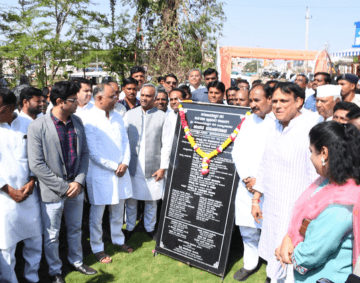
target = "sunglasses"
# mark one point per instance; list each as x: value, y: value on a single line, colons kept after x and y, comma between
x: 171, y: 83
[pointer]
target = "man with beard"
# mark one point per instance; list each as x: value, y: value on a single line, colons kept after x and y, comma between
x: 326, y: 98
x: 249, y: 145
x: 230, y: 94
x: 31, y: 103
x: 348, y: 84
x: 285, y: 162
x: 320, y: 78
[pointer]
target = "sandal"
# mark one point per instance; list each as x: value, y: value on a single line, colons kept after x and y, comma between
x: 101, y: 256
x: 126, y: 248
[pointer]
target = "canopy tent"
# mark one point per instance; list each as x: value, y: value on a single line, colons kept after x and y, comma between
x: 351, y: 52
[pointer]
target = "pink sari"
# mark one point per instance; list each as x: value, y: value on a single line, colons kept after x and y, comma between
x: 310, y: 207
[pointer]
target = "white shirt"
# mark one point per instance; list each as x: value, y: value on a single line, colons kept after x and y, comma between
x: 121, y: 109
x: 108, y: 147
x: 147, y: 188
x: 284, y: 173
x: 18, y: 221
x: 247, y: 153
x: 193, y: 88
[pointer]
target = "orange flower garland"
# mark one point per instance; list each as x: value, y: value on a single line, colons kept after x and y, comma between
x: 205, y: 156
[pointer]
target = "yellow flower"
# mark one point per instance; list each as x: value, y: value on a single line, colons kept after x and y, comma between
x: 248, y: 113
x: 236, y: 131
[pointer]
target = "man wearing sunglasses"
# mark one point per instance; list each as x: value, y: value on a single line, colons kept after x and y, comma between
x: 171, y: 82
x: 59, y: 157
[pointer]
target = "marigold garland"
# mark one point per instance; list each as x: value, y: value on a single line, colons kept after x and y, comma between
x: 206, y: 157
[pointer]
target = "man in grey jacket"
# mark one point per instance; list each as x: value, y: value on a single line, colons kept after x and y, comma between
x: 150, y: 145
x: 59, y: 157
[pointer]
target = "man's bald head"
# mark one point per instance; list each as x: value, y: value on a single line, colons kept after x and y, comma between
x: 242, y: 98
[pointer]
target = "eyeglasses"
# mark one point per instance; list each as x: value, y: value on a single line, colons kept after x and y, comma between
x: 72, y: 100
x: 113, y: 97
x: 171, y: 83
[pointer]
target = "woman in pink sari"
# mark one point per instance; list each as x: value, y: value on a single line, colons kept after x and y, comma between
x: 323, y: 239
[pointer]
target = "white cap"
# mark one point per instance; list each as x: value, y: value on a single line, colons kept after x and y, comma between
x: 328, y: 90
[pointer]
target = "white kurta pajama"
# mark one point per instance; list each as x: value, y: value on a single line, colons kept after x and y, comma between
x: 146, y: 188
x: 284, y: 173
x: 18, y: 221
x: 247, y: 154
x: 108, y: 147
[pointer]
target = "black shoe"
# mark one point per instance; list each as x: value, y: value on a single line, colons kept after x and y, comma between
x: 151, y: 234
x: 127, y: 234
x: 268, y: 280
x: 87, y: 270
x: 243, y: 274
x: 57, y: 279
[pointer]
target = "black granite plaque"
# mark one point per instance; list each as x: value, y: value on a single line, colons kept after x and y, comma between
x: 197, y: 214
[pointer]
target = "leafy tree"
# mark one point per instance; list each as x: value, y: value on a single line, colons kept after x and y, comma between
x: 178, y: 34
x: 36, y: 35
x: 121, y: 37
x: 252, y: 66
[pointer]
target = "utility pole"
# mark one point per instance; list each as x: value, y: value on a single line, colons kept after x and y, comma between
x: 307, y: 34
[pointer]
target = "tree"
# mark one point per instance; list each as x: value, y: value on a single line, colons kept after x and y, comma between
x: 252, y: 66
x: 121, y: 38
x: 36, y: 35
x: 178, y: 35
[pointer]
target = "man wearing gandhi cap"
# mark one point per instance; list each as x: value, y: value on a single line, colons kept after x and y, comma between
x: 348, y: 85
x: 326, y: 98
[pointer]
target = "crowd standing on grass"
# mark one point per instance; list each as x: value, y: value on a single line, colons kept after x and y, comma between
x: 109, y: 146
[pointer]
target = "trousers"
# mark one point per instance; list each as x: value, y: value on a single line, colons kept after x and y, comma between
x: 149, y: 214
x: 32, y: 255
x: 251, y: 237
x: 116, y: 212
x: 72, y: 208
x: 289, y: 278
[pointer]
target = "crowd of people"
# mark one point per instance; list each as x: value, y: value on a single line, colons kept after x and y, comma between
x: 110, y: 146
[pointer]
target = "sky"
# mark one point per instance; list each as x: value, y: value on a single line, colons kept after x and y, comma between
x: 281, y: 24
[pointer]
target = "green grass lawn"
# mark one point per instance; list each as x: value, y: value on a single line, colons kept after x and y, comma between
x: 142, y: 266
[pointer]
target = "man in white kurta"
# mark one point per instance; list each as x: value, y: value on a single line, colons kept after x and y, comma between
x: 284, y: 173
x: 20, y: 218
x: 108, y: 180
x: 247, y: 153
x: 150, y: 141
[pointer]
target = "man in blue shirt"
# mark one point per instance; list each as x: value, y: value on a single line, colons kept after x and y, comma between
x: 201, y: 95
x: 320, y: 78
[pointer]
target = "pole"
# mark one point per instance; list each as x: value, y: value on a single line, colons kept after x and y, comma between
x: 307, y: 36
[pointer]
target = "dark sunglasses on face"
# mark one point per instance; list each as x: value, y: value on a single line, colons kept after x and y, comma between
x: 172, y: 83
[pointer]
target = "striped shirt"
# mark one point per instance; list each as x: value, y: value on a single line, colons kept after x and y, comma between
x: 68, y: 141
x: 284, y: 173
x: 123, y: 102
